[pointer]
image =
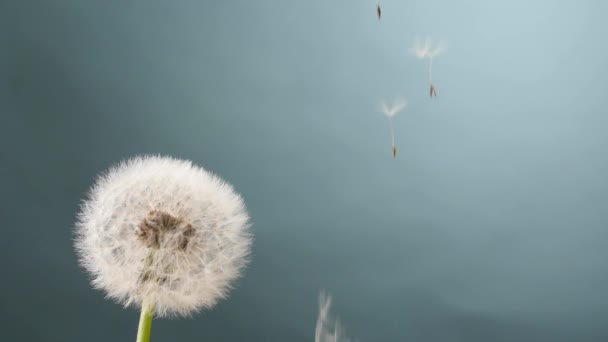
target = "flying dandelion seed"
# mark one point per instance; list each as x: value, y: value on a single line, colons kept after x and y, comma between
x: 379, y: 11
x: 390, y: 112
x: 328, y: 329
x: 425, y: 50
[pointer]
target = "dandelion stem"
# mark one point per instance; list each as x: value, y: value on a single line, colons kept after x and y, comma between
x: 147, y: 311
x: 145, y: 323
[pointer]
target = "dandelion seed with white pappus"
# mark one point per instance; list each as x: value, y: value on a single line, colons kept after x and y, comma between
x: 163, y: 235
x: 427, y: 51
x: 328, y: 329
x: 390, y: 112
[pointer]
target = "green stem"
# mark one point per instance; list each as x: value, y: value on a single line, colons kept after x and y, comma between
x: 145, y: 323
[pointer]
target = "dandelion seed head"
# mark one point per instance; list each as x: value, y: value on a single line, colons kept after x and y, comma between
x: 163, y: 232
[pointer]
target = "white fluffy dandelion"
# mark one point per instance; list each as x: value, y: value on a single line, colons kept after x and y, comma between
x: 164, y: 235
x: 328, y: 329
x: 390, y: 112
x: 426, y: 50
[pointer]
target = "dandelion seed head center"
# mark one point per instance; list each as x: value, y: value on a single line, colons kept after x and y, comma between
x: 161, y: 229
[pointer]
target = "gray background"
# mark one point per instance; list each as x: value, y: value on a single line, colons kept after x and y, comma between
x: 489, y: 226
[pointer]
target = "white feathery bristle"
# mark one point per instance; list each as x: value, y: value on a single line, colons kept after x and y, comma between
x: 391, y: 111
x: 163, y: 232
x: 328, y: 329
x: 425, y: 49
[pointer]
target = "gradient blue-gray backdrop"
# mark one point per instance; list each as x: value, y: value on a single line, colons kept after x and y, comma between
x: 491, y: 224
